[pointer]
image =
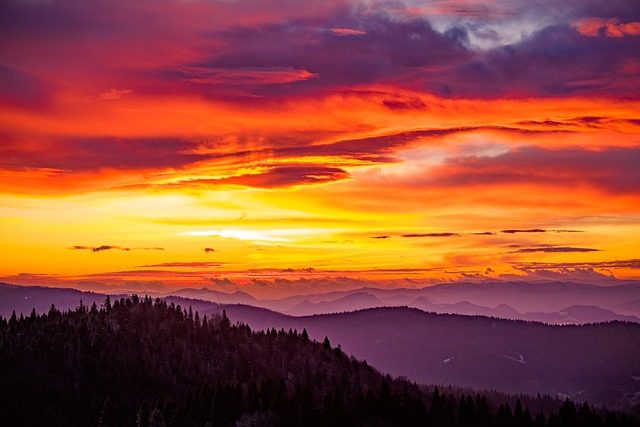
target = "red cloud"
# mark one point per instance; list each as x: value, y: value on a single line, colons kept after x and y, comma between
x: 246, y: 76
x: 417, y: 235
x: 278, y: 177
x: 347, y: 32
x: 612, y: 27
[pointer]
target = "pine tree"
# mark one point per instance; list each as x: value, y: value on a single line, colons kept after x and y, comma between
x: 225, y: 323
x: 326, y: 343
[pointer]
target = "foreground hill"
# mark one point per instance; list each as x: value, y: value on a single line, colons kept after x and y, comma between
x: 144, y: 363
x: 140, y: 362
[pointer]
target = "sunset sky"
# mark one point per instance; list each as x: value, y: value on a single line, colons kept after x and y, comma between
x: 280, y: 146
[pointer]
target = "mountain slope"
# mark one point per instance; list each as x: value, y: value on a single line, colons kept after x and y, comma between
x: 596, y: 362
x: 139, y: 362
x: 23, y: 299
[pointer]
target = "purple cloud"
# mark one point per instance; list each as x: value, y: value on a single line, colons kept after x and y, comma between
x: 471, y: 53
x: 611, y: 170
x: 86, y: 154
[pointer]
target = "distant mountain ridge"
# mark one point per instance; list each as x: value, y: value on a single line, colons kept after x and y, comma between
x: 543, y: 302
x: 552, y: 302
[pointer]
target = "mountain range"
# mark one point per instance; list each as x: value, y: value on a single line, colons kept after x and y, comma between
x: 549, y: 302
x: 144, y: 362
x: 597, y: 362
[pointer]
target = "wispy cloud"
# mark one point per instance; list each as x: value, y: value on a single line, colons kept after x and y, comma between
x: 113, y: 94
x: 531, y: 230
x: 99, y: 248
x: 555, y: 249
x: 616, y: 264
x: 537, y: 230
x: 113, y: 247
x: 192, y: 264
x: 347, y: 32
x: 278, y: 177
x: 248, y: 76
x: 418, y: 235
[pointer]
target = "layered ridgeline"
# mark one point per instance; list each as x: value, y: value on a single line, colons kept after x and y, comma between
x: 599, y: 363
x: 548, y: 302
x: 140, y: 362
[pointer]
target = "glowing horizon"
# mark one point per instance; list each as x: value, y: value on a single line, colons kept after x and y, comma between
x: 169, y: 144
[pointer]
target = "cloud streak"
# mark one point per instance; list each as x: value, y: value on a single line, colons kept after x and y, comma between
x: 556, y: 249
x: 616, y: 264
x: 103, y: 248
x: 420, y: 235
x: 191, y: 264
x: 531, y: 230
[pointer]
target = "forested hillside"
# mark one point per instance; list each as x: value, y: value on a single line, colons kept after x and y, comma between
x: 139, y: 362
x: 599, y: 362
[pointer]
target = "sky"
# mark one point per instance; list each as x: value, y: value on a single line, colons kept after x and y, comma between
x: 283, y: 146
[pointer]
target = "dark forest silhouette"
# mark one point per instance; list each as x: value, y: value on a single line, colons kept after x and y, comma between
x: 140, y: 362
